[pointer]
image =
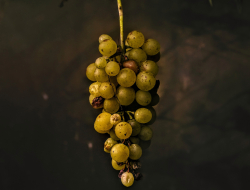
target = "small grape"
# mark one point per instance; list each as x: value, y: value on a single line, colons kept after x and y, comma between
x: 90, y: 72
x: 151, y: 47
x: 116, y: 166
x: 100, y: 63
x: 135, y: 151
x: 131, y: 64
x: 111, y: 105
x: 119, y: 152
x: 109, y: 143
x: 94, y: 88
x: 145, y: 81
x: 108, y: 47
x: 125, y: 95
x: 126, y: 77
x: 134, y: 140
x: 136, y: 127
x: 113, y: 135
x: 102, y: 122
x: 101, y: 75
x: 137, y: 55
x: 135, y: 39
x: 107, y: 90
x: 112, y: 68
x: 104, y: 37
x: 127, y: 179
x: 143, y: 115
x: 146, y: 133
x: 91, y: 98
x: 123, y: 130
x: 143, y: 97
x: 150, y: 67
x: 115, y: 119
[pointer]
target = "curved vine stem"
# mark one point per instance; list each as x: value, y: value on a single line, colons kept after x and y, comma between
x: 120, y: 10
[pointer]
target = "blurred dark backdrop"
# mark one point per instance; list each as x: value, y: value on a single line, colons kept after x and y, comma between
x: 201, y: 134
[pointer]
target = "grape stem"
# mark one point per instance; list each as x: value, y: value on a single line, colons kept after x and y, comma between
x: 120, y: 10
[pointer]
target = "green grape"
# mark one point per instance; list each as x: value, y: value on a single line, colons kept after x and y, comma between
x: 107, y: 90
x: 119, y: 152
x: 100, y: 63
x: 108, y: 47
x: 135, y: 39
x: 150, y: 67
x: 123, y: 130
x: 111, y: 105
x: 115, y: 119
x: 113, y: 135
x: 127, y: 179
x: 101, y: 75
x: 102, y: 122
x: 134, y: 140
x: 137, y: 55
x: 116, y: 166
x: 143, y: 115
x: 94, y: 88
x: 126, y: 77
x: 136, y: 127
x: 135, y: 151
x: 90, y: 72
x: 145, y: 81
x: 143, y: 97
x: 91, y: 98
x: 113, y: 80
x: 104, y: 37
x: 112, y: 68
x: 146, y: 133
x: 109, y: 143
x: 125, y: 95
x: 151, y: 47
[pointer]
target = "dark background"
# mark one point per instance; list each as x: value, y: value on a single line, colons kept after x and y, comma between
x: 201, y: 134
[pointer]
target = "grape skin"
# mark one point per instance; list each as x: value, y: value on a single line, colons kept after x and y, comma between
x: 143, y: 115
x: 127, y: 179
x: 119, y: 152
x: 115, y: 119
x: 90, y: 72
x: 116, y: 166
x: 94, y: 88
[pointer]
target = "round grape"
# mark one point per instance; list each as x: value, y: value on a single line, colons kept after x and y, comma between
x: 136, y: 127
x: 109, y: 143
x: 107, y: 90
x: 146, y: 133
x: 137, y: 55
x: 94, y: 88
x: 102, y: 122
x: 115, y: 119
x: 108, y: 47
x: 119, y: 152
x: 135, y: 151
x: 100, y: 63
x: 116, y: 166
x: 91, y: 98
x: 150, y: 67
x: 126, y: 77
x: 125, y: 95
x: 151, y: 47
x: 143, y: 115
x: 135, y: 39
x: 90, y: 72
x: 145, y: 81
x: 111, y: 105
x: 101, y: 75
x: 123, y: 130
x: 143, y: 97
x: 112, y: 68
x: 127, y: 179
x: 104, y: 37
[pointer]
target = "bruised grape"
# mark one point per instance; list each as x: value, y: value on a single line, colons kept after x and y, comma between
x: 115, y: 119
x: 116, y: 166
x: 131, y: 64
x: 94, y: 88
x: 127, y: 179
x: 109, y: 143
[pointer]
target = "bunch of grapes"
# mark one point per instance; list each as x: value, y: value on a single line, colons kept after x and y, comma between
x: 124, y: 87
